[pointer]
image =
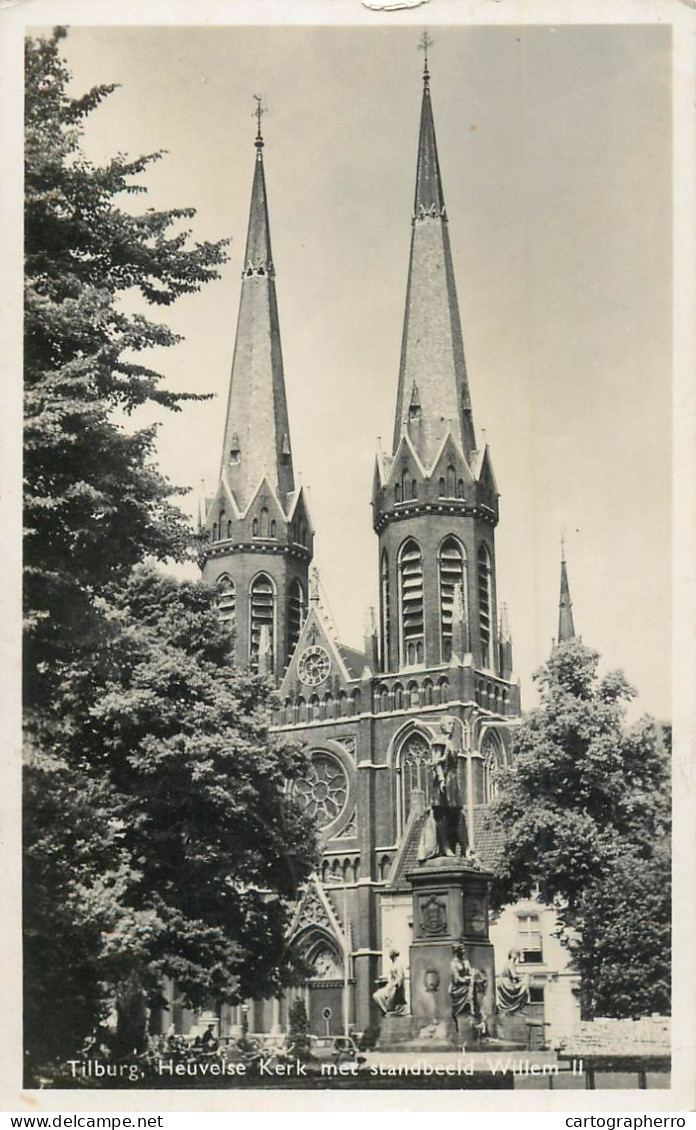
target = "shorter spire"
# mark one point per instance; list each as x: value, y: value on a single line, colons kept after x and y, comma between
x: 566, y: 630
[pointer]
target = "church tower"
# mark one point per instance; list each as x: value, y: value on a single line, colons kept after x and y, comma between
x: 256, y: 532
x: 435, y: 500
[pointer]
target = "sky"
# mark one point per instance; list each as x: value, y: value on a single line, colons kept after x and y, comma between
x: 555, y: 153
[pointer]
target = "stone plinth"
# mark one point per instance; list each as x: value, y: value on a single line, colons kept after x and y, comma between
x: 450, y: 907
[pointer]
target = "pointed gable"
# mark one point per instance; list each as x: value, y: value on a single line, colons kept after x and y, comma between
x: 315, y: 911
x: 315, y: 633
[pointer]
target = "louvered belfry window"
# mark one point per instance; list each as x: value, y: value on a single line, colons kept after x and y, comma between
x: 262, y: 614
x: 485, y: 603
x: 411, y: 593
x: 296, y: 613
x: 452, y: 573
x: 226, y: 598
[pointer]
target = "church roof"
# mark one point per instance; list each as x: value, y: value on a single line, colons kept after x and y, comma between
x: 354, y: 660
x: 433, y: 396
x: 257, y: 433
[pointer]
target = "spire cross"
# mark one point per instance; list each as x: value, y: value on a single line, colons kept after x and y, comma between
x: 423, y: 46
x: 563, y: 545
x: 258, y: 114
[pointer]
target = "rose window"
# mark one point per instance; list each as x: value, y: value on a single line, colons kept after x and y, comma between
x: 324, y: 791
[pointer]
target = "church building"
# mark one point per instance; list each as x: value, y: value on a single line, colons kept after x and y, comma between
x: 441, y: 647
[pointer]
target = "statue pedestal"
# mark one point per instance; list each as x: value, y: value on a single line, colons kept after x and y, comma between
x: 450, y: 907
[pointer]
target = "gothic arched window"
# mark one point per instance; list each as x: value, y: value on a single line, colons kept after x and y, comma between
x: 405, y: 483
x: 264, y: 522
x: 451, y: 481
x: 485, y: 604
x: 261, y: 617
x: 226, y: 598
x: 411, y: 603
x: 493, y: 759
x: 414, y: 772
x: 452, y: 572
x: 296, y: 614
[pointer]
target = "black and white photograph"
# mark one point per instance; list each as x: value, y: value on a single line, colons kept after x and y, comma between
x: 353, y: 564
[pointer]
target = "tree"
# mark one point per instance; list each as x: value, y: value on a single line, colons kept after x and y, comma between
x: 160, y: 836
x: 195, y: 848
x: 584, y: 813
x: 94, y: 502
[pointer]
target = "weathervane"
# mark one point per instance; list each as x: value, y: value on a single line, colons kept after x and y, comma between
x: 423, y: 46
x: 258, y: 114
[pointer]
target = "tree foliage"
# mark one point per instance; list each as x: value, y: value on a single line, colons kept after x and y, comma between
x: 94, y: 502
x: 160, y: 834
x: 164, y: 816
x: 585, y: 819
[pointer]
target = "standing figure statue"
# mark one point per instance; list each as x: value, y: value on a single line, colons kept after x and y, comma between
x: 447, y: 812
x: 466, y: 988
x: 391, y: 998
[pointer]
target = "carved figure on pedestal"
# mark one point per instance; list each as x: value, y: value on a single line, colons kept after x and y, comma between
x: 445, y: 827
x: 513, y: 987
x: 466, y: 988
x: 391, y: 998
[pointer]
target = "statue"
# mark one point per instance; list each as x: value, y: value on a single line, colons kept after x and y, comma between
x: 445, y: 827
x: 466, y: 988
x: 513, y: 987
x: 391, y: 998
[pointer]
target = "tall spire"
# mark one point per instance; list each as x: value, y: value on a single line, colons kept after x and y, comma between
x: 566, y: 631
x: 432, y: 350
x: 257, y: 434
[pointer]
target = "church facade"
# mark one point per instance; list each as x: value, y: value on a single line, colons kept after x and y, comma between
x: 440, y: 646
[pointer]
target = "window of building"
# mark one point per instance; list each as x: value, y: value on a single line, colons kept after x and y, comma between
x: 451, y: 481
x: 530, y: 938
x: 485, y: 603
x: 493, y: 761
x: 414, y: 769
x: 264, y: 522
x: 226, y: 598
x: 452, y: 565
x: 296, y: 613
x: 405, y: 483
x: 411, y: 601
x: 262, y: 615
